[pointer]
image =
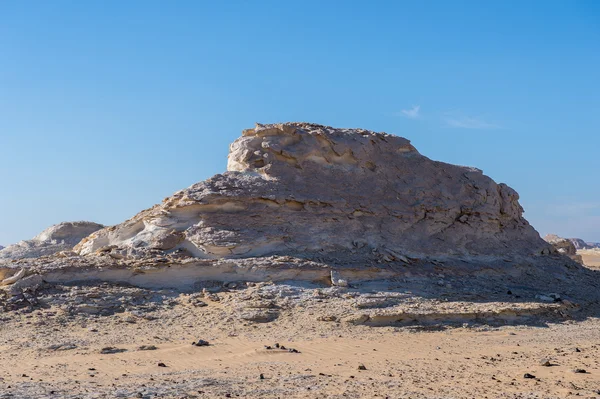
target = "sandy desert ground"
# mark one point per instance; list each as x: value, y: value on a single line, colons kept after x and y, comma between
x: 138, y: 344
x: 591, y: 257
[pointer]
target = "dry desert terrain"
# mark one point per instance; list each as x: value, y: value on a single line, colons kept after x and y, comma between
x: 138, y: 344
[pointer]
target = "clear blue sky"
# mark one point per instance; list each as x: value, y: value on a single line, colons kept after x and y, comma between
x: 107, y: 107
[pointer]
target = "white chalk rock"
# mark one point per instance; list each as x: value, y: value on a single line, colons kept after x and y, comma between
x: 60, y: 237
x: 307, y: 190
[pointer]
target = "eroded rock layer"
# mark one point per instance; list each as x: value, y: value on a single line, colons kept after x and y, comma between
x: 309, y: 190
x: 60, y: 237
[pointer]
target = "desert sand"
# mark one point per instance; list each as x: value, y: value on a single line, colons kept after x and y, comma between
x: 141, y: 347
x: 591, y: 257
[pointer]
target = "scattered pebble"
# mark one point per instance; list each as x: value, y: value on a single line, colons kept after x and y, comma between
x: 281, y: 347
x: 111, y: 349
x: 147, y: 348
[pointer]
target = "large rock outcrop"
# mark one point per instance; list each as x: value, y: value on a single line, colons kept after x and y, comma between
x: 60, y: 237
x: 309, y: 191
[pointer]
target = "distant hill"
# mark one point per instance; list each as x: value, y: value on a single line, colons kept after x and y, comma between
x: 580, y: 244
x: 60, y: 237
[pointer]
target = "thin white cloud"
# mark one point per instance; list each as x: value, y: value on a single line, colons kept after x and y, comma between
x: 413, y: 113
x: 467, y: 122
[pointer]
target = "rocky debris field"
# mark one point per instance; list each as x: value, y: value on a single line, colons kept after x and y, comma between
x: 395, y: 338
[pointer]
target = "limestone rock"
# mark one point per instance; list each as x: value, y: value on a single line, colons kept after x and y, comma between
x: 60, y: 237
x: 29, y: 282
x: 308, y: 190
x: 564, y: 246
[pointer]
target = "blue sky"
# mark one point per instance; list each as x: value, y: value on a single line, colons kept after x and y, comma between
x: 108, y: 107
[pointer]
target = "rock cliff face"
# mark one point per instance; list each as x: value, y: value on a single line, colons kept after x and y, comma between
x: 60, y: 237
x: 308, y: 190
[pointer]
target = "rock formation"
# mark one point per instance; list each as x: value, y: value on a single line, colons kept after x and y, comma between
x: 312, y: 191
x: 580, y: 244
x: 564, y: 246
x: 60, y: 237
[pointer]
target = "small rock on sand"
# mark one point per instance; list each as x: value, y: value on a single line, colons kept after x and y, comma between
x: 111, y: 349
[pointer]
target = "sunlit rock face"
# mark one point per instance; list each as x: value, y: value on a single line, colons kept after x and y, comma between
x: 60, y: 237
x: 303, y: 189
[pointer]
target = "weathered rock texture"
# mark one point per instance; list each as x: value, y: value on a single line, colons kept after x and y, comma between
x: 60, y: 237
x: 564, y: 246
x: 308, y: 190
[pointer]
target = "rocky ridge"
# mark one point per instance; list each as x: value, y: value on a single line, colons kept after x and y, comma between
x: 580, y: 244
